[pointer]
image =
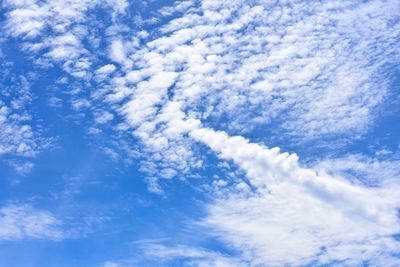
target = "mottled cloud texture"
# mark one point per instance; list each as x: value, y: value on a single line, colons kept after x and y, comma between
x: 207, y: 76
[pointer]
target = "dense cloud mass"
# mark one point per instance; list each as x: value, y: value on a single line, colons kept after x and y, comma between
x: 295, y: 215
x: 308, y: 71
x: 216, y: 77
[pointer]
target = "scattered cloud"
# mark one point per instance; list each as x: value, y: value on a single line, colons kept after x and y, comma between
x: 306, y: 72
x: 20, y: 137
x: 293, y: 68
x: 214, y: 71
x: 25, y: 222
x: 16, y: 136
x: 22, y: 168
x: 261, y: 64
x: 57, y: 30
x: 159, y: 254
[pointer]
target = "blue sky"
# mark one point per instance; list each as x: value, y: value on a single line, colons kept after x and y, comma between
x: 199, y: 133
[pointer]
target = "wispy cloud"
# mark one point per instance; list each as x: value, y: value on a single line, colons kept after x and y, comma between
x: 372, y: 171
x: 159, y: 254
x: 190, y: 256
x: 25, y: 222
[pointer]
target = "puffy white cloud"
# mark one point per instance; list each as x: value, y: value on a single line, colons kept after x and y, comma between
x: 179, y: 6
x: 306, y: 72
x: 16, y: 138
x: 80, y: 103
x: 293, y: 68
x: 57, y: 30
x: 294, y: 215
x: 147, y: 96
x: 117, y: 52
x: 104, y: 117
x: 103, y: 72
x: 24, y: 222
x: 118, y: 6
x: 18, y: 135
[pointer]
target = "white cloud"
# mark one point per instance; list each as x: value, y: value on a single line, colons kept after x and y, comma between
x: 80, y: 103
x: 55, y: 102
x: 24, y: 222
x: 306, y: 72
x: 164, y: 255
x: 291, y: 68
x: 147, y: 96
x: 371, y: 171
x: 31, y: 21
x: 178, y: 7
x: 119, y: 7
x: 16, y: 137
x: 18, y: 134
x: 103, y: 72
x: 104, y: 117
x: 106, y: 69
x: 110, y: 264
x: 22, y: 168
x: 293, y: 215
x: 117, y: 52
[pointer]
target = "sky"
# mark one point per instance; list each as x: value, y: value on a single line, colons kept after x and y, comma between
x: 204, y: 133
